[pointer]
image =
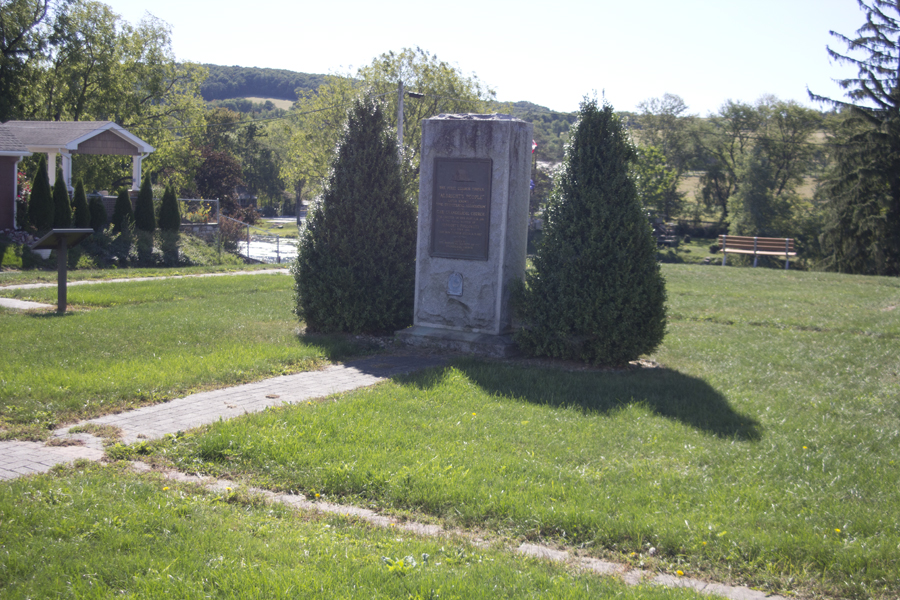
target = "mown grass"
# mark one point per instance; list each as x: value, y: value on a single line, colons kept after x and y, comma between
x: 100, y: 532
x: 124, y: 344
x: 273, y: 228
x: 765, y: 452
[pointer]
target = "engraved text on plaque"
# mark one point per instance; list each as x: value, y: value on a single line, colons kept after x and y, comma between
x: 461, y: 208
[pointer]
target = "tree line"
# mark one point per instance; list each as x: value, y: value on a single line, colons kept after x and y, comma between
x: 771, y: 167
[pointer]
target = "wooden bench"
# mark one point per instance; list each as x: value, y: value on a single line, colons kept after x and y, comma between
x: 757, y: 246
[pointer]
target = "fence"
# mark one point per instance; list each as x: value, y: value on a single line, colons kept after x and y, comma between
x: 261, y: 246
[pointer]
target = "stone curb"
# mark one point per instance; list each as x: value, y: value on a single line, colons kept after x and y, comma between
x: 597, y: 566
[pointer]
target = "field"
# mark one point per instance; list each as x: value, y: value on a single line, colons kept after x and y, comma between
x: 762, y: 451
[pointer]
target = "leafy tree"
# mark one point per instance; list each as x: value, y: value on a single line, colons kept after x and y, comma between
x: 169, y: 213
x: 123, y: 213
x: 596, y: 293
x: 781, y: 130
x: 20, y: 40
x: 240, y: 82
x: 144, y: 216
x: 355, y: 268
x: 218, y: 177
x: 656, y: 182
x: 82, y: 214
x: 89, y: 64
x: 318, y: 117
x: 862, y: 230
x: 756, y: 209
x: 40, y: 204
x: 99, y: 218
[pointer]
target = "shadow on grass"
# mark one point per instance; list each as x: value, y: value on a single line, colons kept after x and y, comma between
x: 337, y: 347
x: 670, y: 394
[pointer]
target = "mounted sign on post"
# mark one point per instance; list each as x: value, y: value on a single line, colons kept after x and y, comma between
x: 61, y: 240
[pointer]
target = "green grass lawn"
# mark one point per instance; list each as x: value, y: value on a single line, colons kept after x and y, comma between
x: 101, y: 532
x: 125, y: 344
x: 765, y: 452
x: 285, y: 230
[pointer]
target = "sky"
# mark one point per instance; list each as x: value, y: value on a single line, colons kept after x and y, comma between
x: 552, y: 53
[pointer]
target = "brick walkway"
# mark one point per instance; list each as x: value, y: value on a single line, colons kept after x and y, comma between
x: 151, y: 422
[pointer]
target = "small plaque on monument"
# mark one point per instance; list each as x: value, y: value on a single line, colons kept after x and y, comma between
x: 461, y: 211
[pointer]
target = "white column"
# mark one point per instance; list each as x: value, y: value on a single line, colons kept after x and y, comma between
x: 136, y: 171
x: 66, y: 160
x: 51, y: 167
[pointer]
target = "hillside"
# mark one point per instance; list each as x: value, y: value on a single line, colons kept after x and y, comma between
x: 241, y: 82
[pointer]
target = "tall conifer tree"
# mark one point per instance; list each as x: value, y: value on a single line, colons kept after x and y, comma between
x: 862, y: 230
x: 596, y: 293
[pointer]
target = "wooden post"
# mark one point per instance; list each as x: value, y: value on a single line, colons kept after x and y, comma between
x: 62, y: 264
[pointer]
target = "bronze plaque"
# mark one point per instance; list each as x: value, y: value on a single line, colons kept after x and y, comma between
x: 461, y: 208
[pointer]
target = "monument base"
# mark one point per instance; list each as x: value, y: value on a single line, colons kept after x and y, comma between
x: 482, y: 344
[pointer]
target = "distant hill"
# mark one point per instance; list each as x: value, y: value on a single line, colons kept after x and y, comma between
x: 224, y: 83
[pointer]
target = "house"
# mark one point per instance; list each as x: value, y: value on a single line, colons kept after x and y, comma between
x: 11, y: 152
x: 63, y: 138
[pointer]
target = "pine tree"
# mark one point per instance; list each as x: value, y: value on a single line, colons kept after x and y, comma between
x: 82, y: 214
x: 99, y: 218
x: 596, y: 293
x: 123, y: 214
x: 144, y: 216
x: 862, y: 229
x: 169, y: 214
x: 355, y: 268
x: 40, y: 204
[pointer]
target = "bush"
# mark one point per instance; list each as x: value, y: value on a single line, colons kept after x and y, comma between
x: 98, y: 215
x: 82, y: 214
x: 596, y: 293
x: 144, y: 217
x: 713, y: 248
x: 40, y: 204
x: 62, y: 210
x: 123, y: 215
x: 355, y: 269
x: 169, y: 214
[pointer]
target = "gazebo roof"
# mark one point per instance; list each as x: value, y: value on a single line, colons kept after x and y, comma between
x: 10, y: 145
x: 77, y: 137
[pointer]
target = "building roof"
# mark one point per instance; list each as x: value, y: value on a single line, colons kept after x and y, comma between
x: 10, y: 145
x: 43, y: 136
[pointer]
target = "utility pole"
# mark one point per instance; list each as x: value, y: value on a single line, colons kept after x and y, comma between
x: 400, y: 95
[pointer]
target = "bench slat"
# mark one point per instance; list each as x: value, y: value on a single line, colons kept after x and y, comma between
x: 757, y: 246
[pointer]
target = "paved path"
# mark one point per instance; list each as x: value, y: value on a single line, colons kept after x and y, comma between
x: 32, y: 286
x: 151, y: 422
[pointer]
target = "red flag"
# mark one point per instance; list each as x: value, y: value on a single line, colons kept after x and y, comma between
x: 533, y: 146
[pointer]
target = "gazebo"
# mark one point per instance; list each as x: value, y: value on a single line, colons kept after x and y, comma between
x: 63, y: 138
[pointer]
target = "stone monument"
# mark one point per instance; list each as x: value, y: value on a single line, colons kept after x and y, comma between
x: 474, y: 182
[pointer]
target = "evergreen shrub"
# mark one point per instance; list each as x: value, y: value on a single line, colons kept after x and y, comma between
x: 144, y: 217
x: 98, y: 215
x: 123, y: 214
x: 62, y: 209
x: 169, y: 214
x: 596, y: 293
x: 355, y: 269
x: 40, y: 204
x: 81, y: 213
